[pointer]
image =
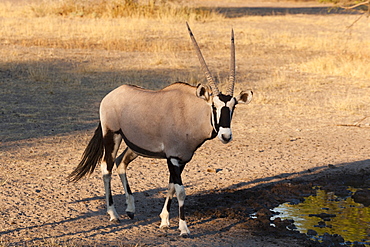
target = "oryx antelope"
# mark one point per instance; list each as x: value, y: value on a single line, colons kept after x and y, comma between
x: 170, y: 124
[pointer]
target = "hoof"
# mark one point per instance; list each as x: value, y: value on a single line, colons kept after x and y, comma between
x: 165, y: 227
x: 115, y: 221
x: 131, y: 215
x: 184, y: 235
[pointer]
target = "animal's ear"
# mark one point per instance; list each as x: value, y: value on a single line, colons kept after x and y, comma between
x: 245, y: 97
x: 203, y: 92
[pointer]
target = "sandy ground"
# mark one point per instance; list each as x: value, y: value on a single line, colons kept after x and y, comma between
x: 39, y: 207
x: 277, y: 155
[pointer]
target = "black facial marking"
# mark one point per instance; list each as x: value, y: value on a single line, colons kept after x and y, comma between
x: 232, y: 112
x: 224, y: 98
x: 225, y: 117
x: 217, y: 127
x: 225, y: 114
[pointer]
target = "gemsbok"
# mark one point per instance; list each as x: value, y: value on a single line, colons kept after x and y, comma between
x: 169, y: 124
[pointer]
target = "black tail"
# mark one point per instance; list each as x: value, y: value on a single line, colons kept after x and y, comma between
x: 91, y: 156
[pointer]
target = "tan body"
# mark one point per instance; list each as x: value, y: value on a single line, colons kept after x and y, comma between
x: 172, y: 122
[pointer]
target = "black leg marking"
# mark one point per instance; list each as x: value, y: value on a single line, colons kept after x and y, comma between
x: 110, y: 198
x: 182, y: 212
x: 175, y: 172
x: 109, y: 148
x: 126, y: 157
x: 169, y: 204
x: 176, y: 167
x: 128, y: 189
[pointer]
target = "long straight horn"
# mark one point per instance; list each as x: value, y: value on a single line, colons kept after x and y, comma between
x: 203, y: 64
x: 230, y: 90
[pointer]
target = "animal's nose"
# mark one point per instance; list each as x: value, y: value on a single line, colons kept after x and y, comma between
x: 224, y: 134
x: 226, y: 138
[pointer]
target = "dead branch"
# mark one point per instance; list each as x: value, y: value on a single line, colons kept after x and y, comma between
x: 356, y: 5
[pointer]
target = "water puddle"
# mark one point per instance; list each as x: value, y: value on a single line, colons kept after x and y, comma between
x: 327, y: 213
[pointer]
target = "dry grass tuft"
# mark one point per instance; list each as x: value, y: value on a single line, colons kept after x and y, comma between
x: 347, y: 65
x: 164, y: 9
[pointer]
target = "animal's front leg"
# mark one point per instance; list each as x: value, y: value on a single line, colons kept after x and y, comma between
x: 165, y: 214
x: 180, y: 194
x: 176, y: 169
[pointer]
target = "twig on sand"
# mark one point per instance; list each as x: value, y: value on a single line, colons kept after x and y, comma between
x: 356, y: 124
x: 3, y: 181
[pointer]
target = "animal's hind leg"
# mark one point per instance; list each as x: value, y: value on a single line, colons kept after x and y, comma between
x: 122, y: 162
x: 111, y: 144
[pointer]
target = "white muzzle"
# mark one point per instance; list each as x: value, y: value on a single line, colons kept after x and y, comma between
x: 225, y: 135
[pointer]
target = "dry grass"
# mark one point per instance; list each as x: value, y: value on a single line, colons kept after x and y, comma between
x: 281, y: 57
x: 164, y: 9
x: 346, y: 65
